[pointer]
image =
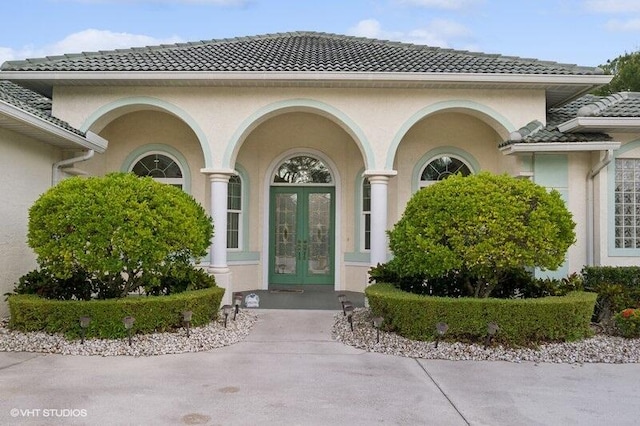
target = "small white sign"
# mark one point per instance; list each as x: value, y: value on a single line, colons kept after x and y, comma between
x: 252, y: 301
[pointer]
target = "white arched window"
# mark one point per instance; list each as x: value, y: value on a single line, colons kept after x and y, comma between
x: 441, y: 168
x: 161, y: 167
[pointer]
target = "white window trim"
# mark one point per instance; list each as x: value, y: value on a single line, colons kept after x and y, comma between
x: 425, y: 183
x: 166, y: 150
x: 240, y: 217
x: 363, y: 222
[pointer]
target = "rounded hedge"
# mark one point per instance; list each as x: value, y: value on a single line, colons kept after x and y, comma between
x: 481, y: 226
x: 151, y: 313
x: 521, y: 321
x: 121, y: 229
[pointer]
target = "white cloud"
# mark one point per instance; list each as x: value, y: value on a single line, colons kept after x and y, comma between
x: 92, y: 40
x: 613, y: 6
x: 89, y: 40
x: 623, y: 26
x: 438, y: 33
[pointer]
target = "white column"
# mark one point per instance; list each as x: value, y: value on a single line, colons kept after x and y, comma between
x: 379, y: 206
x: 219, y: 181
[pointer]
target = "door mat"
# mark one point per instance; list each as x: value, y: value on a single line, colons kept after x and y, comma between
x: 286, y: 291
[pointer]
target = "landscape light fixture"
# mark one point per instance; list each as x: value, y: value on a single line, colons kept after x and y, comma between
x: 492, y: 329
x: 186, y: 317
x: 128, y: 324
x: 342, y: 298
x: 84, y: 323
x: 345, y: 305
x: 441, y: 329
x: 349, y: 312
x: 226, y: 310
x: 237, y: 301
x: 377, y: 323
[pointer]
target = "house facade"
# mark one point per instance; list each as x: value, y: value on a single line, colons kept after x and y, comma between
x: 305, y: 147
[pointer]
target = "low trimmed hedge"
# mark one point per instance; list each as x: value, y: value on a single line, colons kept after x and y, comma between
x: 521, y: 321
x: 151, y: 313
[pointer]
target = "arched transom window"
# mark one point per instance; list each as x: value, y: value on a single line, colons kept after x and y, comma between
x: 302, y: 170
x: 441, y: 168
x: 160, y: 167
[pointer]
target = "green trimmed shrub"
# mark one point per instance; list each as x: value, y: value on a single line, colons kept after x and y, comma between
x: 44, y: 284
x: 618, y: 287
x: 123, y: 230
x: 152, y: 313
x: 628, y: 322
x: 481, y: 228
x: 179, y: 278
x: 521, y: 321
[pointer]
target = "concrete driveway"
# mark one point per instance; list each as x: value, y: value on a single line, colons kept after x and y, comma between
x: 290, y: 372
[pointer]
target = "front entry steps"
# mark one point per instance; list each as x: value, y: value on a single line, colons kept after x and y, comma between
x: 304, y: 297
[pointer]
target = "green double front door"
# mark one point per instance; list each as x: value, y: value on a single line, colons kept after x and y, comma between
x: 301, y: 236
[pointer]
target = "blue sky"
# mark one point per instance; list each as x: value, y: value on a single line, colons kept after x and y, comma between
x: 584, y: 32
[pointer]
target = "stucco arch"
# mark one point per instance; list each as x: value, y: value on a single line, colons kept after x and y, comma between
x: 297, y: 105
x: 487, y: 114
x: 99, y: 119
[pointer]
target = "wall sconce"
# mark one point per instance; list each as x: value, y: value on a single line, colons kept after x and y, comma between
x: 84, y: 323
x: 441, y: 329
x: 377, y: 323
x: 186, y: 317
x: 492, y: 330
x: 226, y: 310
x: 128, y: 324
x: 349, y: 312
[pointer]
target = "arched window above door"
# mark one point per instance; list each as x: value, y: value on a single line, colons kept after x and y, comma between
x: 302, y: 170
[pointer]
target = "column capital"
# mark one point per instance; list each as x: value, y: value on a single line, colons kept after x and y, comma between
x: 379, y: 176
x: 218, y: 175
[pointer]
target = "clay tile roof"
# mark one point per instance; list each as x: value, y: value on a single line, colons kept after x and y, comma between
x: 32, y: 103
x: 550, y: 132
x: 622, y: 104
x: 296, y: 52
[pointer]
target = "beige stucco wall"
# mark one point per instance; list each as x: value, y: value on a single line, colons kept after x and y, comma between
x: 354, y: 129
x: 222, y: 113
x: 466, y: 135
x: 141, y: 130
x: 26, y: 166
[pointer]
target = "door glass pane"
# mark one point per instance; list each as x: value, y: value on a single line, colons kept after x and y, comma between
x: 286, y: 239
x: 319, y: 223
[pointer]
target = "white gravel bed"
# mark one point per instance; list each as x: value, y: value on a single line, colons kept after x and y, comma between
x: 211, y: 336
x: 598, y: 349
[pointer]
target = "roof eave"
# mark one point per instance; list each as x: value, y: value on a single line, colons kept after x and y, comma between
x: 50, y: 132
x: 600, y: 125
x: 48, y: 79
x: 518, y: 148
x: 304, y: 75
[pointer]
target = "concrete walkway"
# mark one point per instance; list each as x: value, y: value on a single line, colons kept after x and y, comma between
x: 290, y: 372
